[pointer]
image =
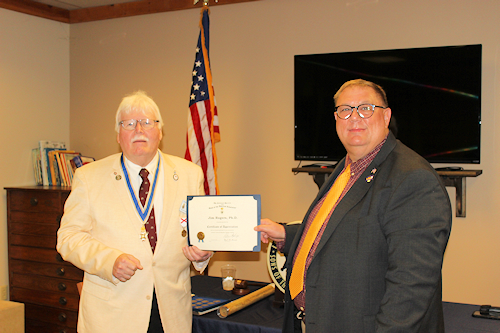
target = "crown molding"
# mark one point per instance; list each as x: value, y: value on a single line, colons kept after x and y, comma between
x: 141, y: 7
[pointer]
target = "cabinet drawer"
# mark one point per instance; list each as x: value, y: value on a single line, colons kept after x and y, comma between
x: 48, y: 242
x: 50, y: 270
x: 20, y: 228
x: 34, y: 217
x: 35, y: 201
x: 67, y: 301
x: 33, y: 234
x: 36, y: 254
x: 39, y: 282
x: 34, y: 326
x: 50, y: 315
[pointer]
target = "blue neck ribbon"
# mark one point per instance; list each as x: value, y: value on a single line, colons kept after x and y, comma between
x: 142, y: 213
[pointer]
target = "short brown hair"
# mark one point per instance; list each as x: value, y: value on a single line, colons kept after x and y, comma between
x: 363, y: 83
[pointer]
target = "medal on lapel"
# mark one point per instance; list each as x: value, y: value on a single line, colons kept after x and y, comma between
x: 370, y: 177
x: 184, y: 225
x: 183, y: 220
x: 144, y: 233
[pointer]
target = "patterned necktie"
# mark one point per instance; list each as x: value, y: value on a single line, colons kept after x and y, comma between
x: 150, y: 224
x: 296, y: 284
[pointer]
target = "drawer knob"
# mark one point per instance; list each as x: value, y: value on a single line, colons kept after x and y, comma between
x: 62, y: 331
x: 34, y: 201
x: 62, y: 317
x: 63, y: 300
x: 61, y: 286
x: 61, y: 271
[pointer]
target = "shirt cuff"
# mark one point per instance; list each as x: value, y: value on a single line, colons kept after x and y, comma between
x: 200, y: 265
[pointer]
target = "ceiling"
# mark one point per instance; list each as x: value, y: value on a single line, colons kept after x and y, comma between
x: 77, y: 11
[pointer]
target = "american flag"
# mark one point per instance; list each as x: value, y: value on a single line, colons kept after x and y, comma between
x: 203, y: 124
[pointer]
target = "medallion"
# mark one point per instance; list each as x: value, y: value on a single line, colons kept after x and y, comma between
x: 144, y: 233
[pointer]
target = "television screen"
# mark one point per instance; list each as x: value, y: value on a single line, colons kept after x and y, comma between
x: 434, y: 94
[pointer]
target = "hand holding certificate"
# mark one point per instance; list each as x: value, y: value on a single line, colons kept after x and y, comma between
x: 224, y: 222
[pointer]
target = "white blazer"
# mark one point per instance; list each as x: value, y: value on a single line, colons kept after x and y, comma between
x: 100, y: 223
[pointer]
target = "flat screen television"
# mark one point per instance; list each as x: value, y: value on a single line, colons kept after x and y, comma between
x: 434, y: 94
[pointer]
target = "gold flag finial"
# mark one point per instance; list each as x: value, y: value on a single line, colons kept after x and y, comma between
x: 205, y: 2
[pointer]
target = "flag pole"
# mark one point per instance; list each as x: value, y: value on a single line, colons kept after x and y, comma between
x: 203, y: 126
x: 208, y: 70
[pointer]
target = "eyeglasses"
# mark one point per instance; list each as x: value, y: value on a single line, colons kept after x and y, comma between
x: 364, y: 110
x: 130, y: 124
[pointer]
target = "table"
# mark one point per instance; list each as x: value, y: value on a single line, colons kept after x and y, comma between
x: 458, y: 319
x: 263, y: 317
x: 260, y: 317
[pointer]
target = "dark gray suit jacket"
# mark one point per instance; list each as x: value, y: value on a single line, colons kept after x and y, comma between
x: 378, y: 265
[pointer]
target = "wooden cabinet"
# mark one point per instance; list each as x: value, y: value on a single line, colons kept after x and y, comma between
x: 38, y: 276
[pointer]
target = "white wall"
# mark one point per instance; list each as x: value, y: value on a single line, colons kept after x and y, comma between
x: 34, y: 100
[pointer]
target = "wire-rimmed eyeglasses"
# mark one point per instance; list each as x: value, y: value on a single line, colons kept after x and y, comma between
x: 364, y: 110
x: 130, y: 124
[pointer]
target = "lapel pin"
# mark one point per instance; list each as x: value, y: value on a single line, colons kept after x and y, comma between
x: 369, y: 178
x: 176, y: 177
x: 374, y: 170
x: 118, y: 177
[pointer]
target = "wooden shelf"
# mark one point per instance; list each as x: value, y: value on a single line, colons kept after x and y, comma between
x: 451, y: 178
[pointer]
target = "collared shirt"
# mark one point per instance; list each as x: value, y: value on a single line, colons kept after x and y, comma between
x: 357, y: 168
x: 136, y: 181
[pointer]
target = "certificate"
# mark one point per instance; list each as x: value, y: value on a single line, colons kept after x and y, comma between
x: 224, y: 222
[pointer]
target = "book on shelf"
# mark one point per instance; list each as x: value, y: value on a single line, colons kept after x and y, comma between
x: 61, y: 167
x: 37, y: 166
x: 66, y: 158
x: 46, y: 146
x: 55, y: 171
x: 82, y: 160
x: 53, y: 164
x: 61, y: 170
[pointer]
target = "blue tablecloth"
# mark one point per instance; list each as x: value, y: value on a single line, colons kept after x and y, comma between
x: 263, y: 317
x: 260, y: 317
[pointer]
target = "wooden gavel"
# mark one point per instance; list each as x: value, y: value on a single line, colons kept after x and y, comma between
x: 241, y: 286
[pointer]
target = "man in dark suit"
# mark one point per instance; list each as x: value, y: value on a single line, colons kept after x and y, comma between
x: 368, y: 254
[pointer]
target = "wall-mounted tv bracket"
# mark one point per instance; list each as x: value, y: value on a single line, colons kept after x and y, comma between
x: 452, y: 177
